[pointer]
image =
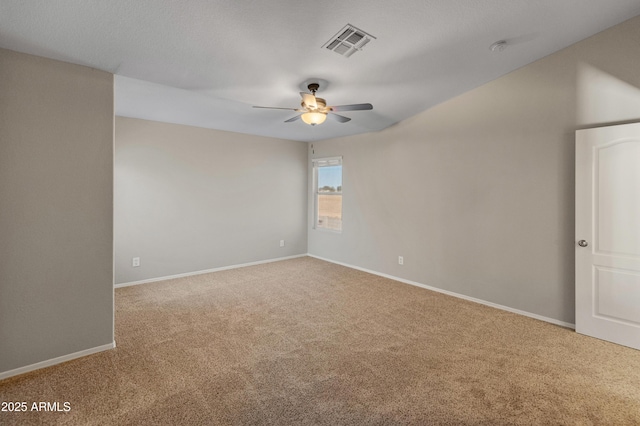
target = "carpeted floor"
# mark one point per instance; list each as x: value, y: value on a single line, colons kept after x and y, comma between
x: 305, y: 342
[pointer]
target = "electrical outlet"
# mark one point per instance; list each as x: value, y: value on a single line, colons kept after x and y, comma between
x: 281, y: 243
x: 135, y: 262
x: 400, y: 260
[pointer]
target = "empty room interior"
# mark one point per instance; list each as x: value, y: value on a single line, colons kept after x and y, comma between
x: 320, y: 213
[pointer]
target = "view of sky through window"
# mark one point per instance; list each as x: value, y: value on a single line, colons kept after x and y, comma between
x: 330, y: 176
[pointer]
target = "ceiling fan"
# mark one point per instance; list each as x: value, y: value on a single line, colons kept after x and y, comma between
x: 315, y: 110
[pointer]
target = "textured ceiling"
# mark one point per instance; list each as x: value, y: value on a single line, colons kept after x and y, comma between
x: 206, y: 62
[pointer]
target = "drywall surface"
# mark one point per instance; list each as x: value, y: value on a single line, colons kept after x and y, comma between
x: 477, y: 194
x: 191, y: 199
x: 56, y: 219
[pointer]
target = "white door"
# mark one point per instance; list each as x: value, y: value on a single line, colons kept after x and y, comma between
x: 608, y: 233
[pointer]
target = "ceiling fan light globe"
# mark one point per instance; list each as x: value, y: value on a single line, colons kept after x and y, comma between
x: 313, y: 118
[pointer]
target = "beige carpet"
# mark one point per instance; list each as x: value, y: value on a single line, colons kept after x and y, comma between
x: 305, y: 342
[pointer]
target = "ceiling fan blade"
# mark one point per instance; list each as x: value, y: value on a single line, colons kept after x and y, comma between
x: 290, y: 109
x: 353, y: 107
x: 309, y: 100
x: 339, y: 118
x: 292, y: 119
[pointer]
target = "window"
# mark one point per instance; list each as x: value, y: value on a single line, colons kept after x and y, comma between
x: 327, y: 187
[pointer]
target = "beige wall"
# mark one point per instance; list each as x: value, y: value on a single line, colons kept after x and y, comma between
x: 477, y: 193
x: 191, y: 199
x: 56, y: 190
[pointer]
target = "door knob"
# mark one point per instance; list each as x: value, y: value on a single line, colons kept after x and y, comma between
x: 583, y: 243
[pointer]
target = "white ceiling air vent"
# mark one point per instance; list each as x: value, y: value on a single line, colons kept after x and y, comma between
x: 348, y: 41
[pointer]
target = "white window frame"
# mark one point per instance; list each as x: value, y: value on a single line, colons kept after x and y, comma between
x: 325, y: 162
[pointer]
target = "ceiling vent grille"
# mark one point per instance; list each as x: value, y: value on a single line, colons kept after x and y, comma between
x: 348, y: 41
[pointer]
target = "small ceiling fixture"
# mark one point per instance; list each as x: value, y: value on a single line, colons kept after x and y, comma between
x: 498, y: 46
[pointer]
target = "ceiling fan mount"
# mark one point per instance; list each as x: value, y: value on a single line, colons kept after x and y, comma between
x: 313, y: 87
x: 315, y: 111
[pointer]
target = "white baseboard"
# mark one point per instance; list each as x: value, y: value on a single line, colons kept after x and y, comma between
x: 451, y: 293
x: 207, y: 271
x: 54, y: 361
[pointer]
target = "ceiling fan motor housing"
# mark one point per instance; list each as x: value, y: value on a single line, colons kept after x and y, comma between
x: 321, y: 104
